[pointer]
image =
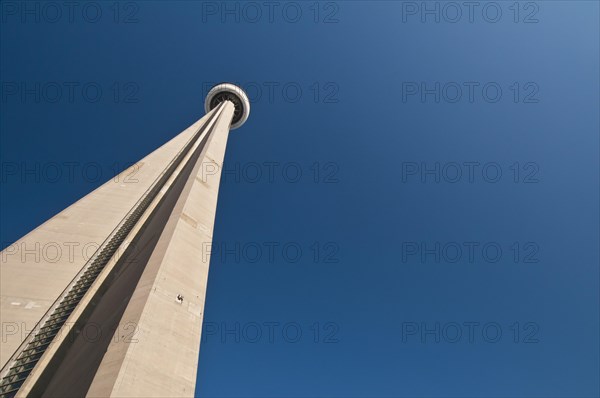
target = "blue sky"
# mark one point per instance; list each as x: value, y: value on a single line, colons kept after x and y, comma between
x: 411, y: 209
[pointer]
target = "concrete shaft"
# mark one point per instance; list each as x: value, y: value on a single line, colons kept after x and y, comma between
x: 136, y: 330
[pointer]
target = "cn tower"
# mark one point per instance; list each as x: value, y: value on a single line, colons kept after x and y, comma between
x: 123, y: 317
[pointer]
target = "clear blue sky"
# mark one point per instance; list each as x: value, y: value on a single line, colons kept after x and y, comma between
x: 399, y: 229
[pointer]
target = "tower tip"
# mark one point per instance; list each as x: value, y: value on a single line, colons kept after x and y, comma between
x: 229, y: 92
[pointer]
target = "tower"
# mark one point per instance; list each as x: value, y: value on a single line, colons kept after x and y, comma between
x: 118, y: 311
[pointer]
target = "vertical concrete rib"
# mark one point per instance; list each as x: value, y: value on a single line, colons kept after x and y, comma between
x: 162, y: 357
x: 52, y: 373
x: 30, y: 281
x: 142, y: 291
